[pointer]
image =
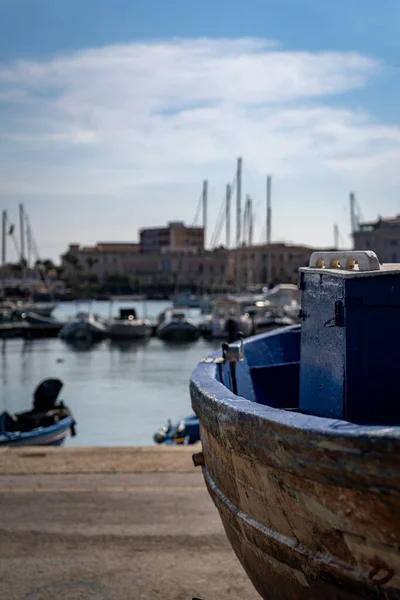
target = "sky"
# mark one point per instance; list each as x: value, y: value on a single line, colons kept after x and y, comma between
x: 113, y: 112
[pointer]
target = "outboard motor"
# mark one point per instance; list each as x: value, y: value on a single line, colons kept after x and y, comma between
x: 161, y: 435
x: 46, y: 394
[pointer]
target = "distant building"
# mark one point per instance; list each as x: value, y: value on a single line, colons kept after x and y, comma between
x: 176, y: 268
x: 176, y: 237
x: 207, y: 270
x: 250, y: 263
x: 101, y: 260
x: 382, y: 236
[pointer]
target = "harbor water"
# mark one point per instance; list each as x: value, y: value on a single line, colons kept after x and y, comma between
x: 120, y: 393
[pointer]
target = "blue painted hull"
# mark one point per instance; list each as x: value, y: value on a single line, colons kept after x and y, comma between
x: 54, y: 435
x: 311, y: 505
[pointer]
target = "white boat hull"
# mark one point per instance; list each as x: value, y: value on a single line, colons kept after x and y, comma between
x: 218, y: 328
x: 129, y: 330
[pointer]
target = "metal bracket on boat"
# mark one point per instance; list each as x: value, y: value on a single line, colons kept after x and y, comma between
x: 231, y: 353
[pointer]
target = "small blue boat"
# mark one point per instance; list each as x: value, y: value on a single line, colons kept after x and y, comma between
x: 300, y: 432
x: 186, y: 431
x: 47, y: 424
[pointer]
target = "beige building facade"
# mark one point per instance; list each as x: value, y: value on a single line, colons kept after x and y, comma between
x: 211, y: 270
x: 382, y: 237
x: 176, y: 237
x: 102, y: 260
x: 202, y: 270
x: 250, y: 264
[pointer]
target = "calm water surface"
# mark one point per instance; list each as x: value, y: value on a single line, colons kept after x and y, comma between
x: 119, y: 393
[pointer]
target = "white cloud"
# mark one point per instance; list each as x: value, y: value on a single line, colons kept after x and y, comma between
x: 118, y: 118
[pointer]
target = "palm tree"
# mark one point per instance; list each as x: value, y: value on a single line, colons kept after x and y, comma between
x: 91, y: 261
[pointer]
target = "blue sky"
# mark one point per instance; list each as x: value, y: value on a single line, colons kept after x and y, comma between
x: 112, y: 113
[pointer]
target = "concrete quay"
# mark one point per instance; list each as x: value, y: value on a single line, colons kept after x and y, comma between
x: 111, y: 523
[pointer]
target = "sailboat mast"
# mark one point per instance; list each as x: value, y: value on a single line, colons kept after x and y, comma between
x: 250, y: 222
x: 4, y: 239
x: 205, y: 199
x: 228, y: 215
x: 268, y: 232
x: 353, y: 218
x: 238, y: 201
x: 336, y: 236
x: 22, y: 239
x: 3, y: 251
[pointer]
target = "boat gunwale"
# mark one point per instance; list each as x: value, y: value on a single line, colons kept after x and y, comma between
x: 310, y: 424
x: 206, y: 389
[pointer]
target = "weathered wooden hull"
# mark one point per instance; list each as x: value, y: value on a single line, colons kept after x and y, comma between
x: 311, y: 506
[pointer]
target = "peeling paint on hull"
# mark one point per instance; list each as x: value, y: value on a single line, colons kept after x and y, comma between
x: 311, y: 506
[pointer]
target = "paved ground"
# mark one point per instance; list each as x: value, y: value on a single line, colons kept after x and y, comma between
x: 113, y: 536
x: 147, y: 459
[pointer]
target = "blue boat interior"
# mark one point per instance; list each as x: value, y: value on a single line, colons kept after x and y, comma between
x: 270, y: 375
x: 270, y: 371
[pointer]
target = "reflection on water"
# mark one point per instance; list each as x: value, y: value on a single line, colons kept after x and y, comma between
x: 119, y: 392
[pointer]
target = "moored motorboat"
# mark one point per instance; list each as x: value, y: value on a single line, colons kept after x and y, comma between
x: 286, y: 296
x: 128, y: 326
x: 85, y: 328
x: 203, y: 303
x: 279, y: 307
x: 175, y: 325
x: 229, y: 317
x: 48, y: 423
x: 300, y: 432
x: 271, y: 318
x: 44, y: 309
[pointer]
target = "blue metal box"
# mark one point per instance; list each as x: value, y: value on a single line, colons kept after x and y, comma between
x: 350, y: 338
